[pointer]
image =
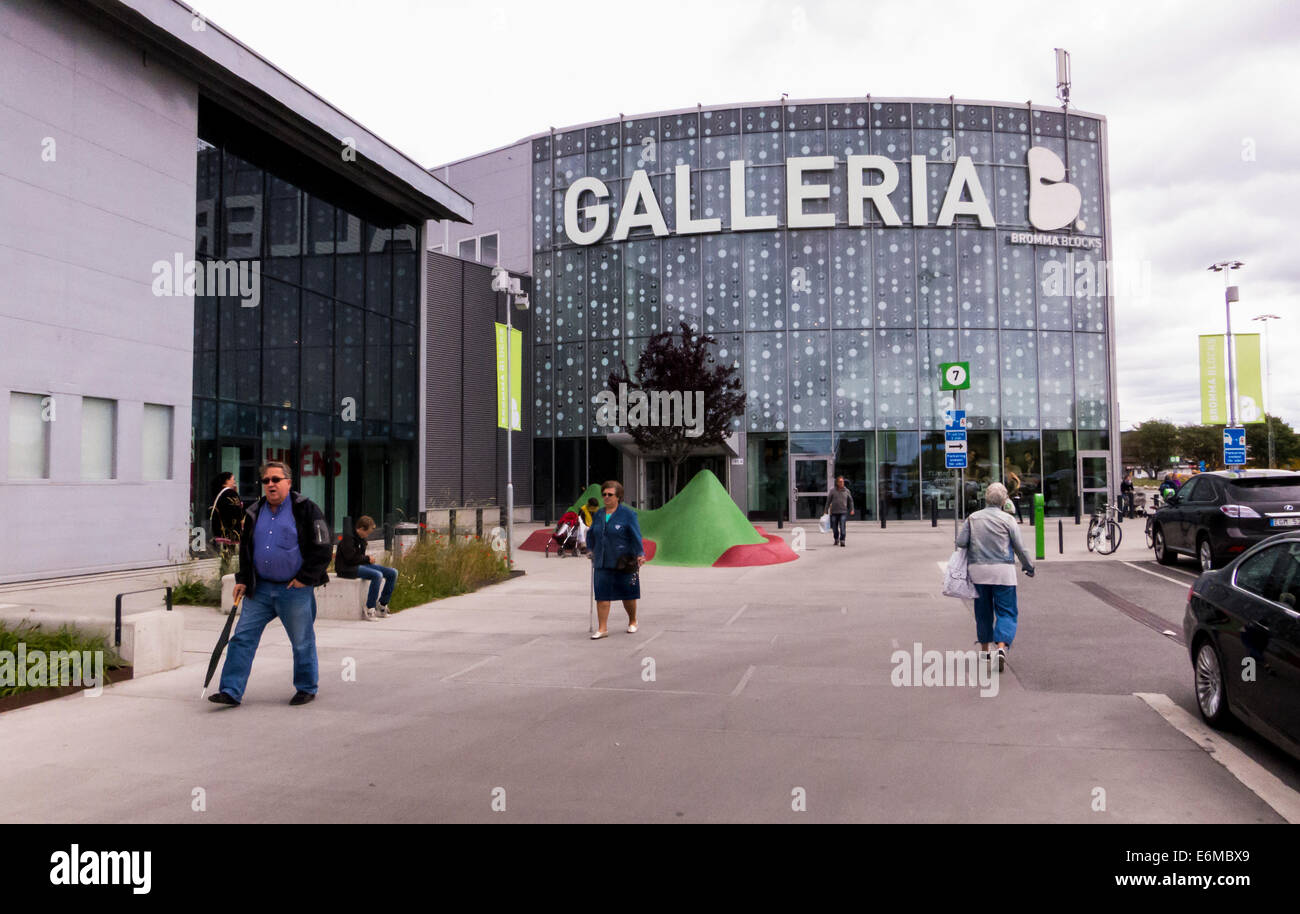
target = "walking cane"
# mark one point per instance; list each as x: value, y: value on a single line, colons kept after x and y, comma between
x: 591, y: 616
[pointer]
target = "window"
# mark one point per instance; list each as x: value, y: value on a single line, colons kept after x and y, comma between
x: 29, y: 435
x: 98, y: 438
x: 156, y: 443
x: 1191, y: 491
x: 468, y: 249
x: 487, y: 250
x: 1255, y: 574
x: 484, y: 249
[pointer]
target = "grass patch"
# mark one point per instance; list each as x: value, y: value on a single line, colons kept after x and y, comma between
x: 66, y: 638
x: 441, y: 567
x: 192, y: 590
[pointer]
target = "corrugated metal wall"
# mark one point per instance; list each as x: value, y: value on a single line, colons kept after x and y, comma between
x: 466, y: 452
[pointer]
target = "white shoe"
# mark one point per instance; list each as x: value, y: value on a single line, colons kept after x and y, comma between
x: 369, y: 614
x: 631, y: 629
x: 381, y: 612
x: 596, y: 636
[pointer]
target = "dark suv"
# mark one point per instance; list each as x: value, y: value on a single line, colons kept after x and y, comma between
x: 1216, y: 516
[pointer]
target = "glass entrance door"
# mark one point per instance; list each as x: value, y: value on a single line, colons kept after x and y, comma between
x: 1093, y: 468
x: 810, y: 485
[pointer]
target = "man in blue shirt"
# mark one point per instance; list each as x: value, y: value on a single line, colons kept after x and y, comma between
x: 283, y: 555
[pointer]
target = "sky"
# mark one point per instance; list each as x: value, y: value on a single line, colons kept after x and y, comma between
x: 1204, y: 147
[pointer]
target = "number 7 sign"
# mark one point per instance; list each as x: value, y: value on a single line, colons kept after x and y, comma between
x: 954, y: 376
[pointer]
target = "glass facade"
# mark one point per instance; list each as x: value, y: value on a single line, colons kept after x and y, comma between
x: 840, y: 329
x: 321, y: 370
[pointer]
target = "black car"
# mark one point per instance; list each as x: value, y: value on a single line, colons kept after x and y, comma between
x: 1216, y: 516
x: 1243, y: 631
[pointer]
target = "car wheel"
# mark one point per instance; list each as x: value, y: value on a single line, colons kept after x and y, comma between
x: 1211, y: 694
x: 1205, y: 554
x: 1163, y: 555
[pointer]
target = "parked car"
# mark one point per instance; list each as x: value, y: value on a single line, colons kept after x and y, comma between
x: 1216, y: 516
x: 1243, y: 632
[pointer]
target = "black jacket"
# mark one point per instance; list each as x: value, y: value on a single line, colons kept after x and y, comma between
x: 228, y: 514
x: 315, y: 541
x: 351, y: 555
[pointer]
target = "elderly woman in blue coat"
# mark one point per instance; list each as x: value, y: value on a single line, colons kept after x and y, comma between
x: 615, y: 533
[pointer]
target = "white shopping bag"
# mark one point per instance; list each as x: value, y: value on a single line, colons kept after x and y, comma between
x: 956, y: 577
x: 824, y: 523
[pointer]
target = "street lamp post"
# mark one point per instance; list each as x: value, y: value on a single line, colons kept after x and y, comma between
x: 1268, y: 380
x: 502, y: 281
x: 1230, y: 295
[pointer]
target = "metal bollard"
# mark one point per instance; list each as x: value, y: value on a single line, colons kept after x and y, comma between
x: 347, y: 526
x: 1060, y: 536
x: 1078, y: 510
x: 478, y: 522
x: 780, y: 517
x: 934, y: 512
x: 388, y: 537
x: 882, y: 517
x: 451, y: 524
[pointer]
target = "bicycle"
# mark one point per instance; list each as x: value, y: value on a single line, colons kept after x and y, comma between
x: 1104, y: 533
x: 1150, y: 510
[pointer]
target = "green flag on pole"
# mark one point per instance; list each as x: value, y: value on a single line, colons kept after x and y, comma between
x: 1214, y: 379
x: 512, y: 407
x: 1250, y: 384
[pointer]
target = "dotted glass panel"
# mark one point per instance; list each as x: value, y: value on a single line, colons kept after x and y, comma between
x: 543, y: 391
x: 1085, y: 174
x: 892, y: 144
x: 1010, y: 148
x: 1056, y: 380
x: 1019, y: 379
x: 1056, y: 144
x: 1011, y: 196
x: 1047, y: 124
x: 936, y: 146
x: 765, y: 281
x: 936, y: 278
x: 1011, y: 120
x: 977, y: 250
x: 542, y: 149
x: 720, y: 123
x: 758, y: 120
x: 570, y: 295
x: 844, y: 117
x: 605, y: 292
x: 805, y: 117
x: 543, y: 216
x: 765, y: 192
x: 765, y: 382
x: 1053, y: 288
x: 642, y: 287
x: 809, y: 263
x: 721, y: 151
x: 570, y: 388
x: 681, y: 282
x: 567, y: 144
x: 604, y: 356
x: 543, y: 298
x: 729, y: 350
x: 851, y: 278
x: 723, y: 310
x: 932, y: 116
x: 678, y: 152
x: 891, y: 116
x: 1092, y: 282
x: 936, y: 347
x: 895, y: 274
x: 980, y: 348
x: 1084, y: 128
x: 570, y: 168
x: 896, y: 359
x: 1016, y: 281
x: 603, y: 152
x: 810, y: 377
x: 975, y: 132
x: 821, y: 205
x: 680, y: 126
x: 1090, y: 379
x: 632, y: 349
x: 854, y: 378
x: 715, y: 196
x: 806, y: 143
x: 845, y: 143
x: 762, y: 148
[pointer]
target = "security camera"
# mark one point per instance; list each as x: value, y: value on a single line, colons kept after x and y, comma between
x: 521, y: 301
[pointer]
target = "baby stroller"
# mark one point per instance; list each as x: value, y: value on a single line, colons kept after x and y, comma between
x: 565, y: 537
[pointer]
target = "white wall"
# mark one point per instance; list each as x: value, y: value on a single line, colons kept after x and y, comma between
x: 501, y: 185
x: 78, y: 238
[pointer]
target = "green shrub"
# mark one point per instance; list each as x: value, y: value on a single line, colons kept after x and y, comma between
x: 442, y: 567
x: 194, y: 591
x: 66, y: 638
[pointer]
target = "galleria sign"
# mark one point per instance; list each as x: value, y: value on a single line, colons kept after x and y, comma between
x: 1053, y: 203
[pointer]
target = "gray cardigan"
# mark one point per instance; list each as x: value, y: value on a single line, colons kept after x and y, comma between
x: 990, y: 536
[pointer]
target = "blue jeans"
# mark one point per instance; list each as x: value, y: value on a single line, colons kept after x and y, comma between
x: 838, y: 526
x: 375, y: 574
x: 296, y: 609
x: 995, y: 613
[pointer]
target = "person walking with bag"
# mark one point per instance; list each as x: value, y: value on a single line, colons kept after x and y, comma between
x: 991, y: 539
x: 617, y: 554
x: 840, y: 507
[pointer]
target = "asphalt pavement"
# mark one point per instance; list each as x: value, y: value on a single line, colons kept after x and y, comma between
x: 749, y: 694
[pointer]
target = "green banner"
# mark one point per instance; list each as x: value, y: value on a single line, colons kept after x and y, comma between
x: 1214, y: 379
x: 516, y: 378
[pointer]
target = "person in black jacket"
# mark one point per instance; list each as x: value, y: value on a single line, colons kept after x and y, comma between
x: 227, y: 512
x: 283, y: 555
x: 352, y: 562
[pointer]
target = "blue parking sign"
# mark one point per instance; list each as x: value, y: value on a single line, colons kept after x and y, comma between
x: 1234, y: 446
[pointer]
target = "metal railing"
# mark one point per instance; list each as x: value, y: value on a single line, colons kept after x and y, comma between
x: 117, y: 610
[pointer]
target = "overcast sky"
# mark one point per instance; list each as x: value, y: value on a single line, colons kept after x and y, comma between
x: 1204, y: 137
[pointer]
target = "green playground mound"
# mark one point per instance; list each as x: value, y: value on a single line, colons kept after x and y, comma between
x: 698, y: 525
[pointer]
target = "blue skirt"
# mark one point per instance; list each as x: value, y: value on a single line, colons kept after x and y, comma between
x: 610, y: 585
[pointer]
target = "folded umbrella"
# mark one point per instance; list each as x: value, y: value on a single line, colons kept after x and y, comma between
x: 221, y: 646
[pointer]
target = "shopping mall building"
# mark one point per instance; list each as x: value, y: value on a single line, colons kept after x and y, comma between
x: 839, y: 251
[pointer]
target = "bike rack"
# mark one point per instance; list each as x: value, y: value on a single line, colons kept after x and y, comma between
x: 117, y: 610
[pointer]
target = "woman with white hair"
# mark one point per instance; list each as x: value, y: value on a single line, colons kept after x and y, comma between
x: 992, y: 541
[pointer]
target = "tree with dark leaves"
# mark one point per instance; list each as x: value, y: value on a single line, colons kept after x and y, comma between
x: 683, y: 362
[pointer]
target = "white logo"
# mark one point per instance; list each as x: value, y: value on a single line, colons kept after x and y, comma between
x: 1053, y: 202
x: 78, y: 867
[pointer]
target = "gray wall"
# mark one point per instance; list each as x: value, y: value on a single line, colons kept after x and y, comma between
x: 78, y: 238
x: 500, y: 184
x: 465, y: 452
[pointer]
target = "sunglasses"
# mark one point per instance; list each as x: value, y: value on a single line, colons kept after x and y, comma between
x: 272, y: 480
x: 607, y: 494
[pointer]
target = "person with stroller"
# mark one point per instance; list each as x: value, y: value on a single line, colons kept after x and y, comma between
x: 351, y: 561
x: 617, y: 554
x: 565, y: 536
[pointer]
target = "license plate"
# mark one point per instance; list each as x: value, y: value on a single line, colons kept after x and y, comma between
x: 1285, y: 522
